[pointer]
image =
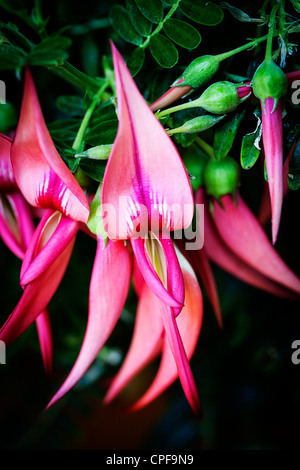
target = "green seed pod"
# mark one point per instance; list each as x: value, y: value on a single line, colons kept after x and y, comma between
x: 269, y: 81
x: 197, y: 124
x: 199, y: 72
x: 221, y: 177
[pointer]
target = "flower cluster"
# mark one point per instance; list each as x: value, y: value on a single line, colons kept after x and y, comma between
x: 146, y: 207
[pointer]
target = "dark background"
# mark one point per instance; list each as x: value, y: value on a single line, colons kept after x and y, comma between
x: 247, y: 383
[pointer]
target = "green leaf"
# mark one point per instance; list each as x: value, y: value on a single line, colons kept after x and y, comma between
x: 140, y: 23
x: 225, y: 134
x: 136, y: 60
x: 103, y: 113
x: 195, y: 161
x: 14, y: 37
x: 250, y: 148
x: 152, y: 9
x: 200, y: 11
x: 103, y: 133
x: 12, y: 58
x: 182, y: 33
x: 93, y: 168
x: 50, y: 51
x: 71, y: 105
x: 121, y: 22
x: 163, y: 51
x: 294, y: 168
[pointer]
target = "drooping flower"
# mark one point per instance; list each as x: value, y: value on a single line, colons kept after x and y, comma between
x: 41, y: 175
x: 41, y: 273
x: 16, y: 230
x: 146, y: 194
x: 269, y: 84
x: 106, y: 301
x: 235, y: 240
x: 149, y: 339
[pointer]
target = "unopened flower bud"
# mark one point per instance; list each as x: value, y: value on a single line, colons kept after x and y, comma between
x: 221, y: 97
x: 199, y: 72
x: 269, y: 81
x: 198, y: 124
x: 221, y: 177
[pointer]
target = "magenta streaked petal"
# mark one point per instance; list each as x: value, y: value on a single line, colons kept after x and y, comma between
x: 106, y: 302
x: 173, y: 94
x: 45, y: 337
x: 145, y: 345
x: 35, y: 298
x: 16, y: 226
x: 189, y: 325
x: 243, y: 234
x: 7, y: 177
x: 53, y: 234
x: 145, y: 182
x: 272, y: 140
x: 41, y: 175
x: 174, y: 273
x: 265, y: 206
x: 150, y: 275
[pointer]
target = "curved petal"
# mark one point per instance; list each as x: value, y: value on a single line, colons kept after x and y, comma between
x: 175, y: 279
x: 145, y: 181
x: 106, y: 302
x: 52, y: 235
x: 45, y: 337
x: 173, y: 94
x: 186, y: 326
x: 265, y: 212
x: 41, y: 175
x: 16, y: 225
x: 273, y: 149
x: 145, y: 345
x: 7, y: 177
x: 150, y: 275
x: 35, y: 298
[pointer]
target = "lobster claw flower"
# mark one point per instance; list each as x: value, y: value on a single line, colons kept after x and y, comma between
x: 41, y: 175
x: 145, y: 186
x: 106, y: 301
x: 16, y: 230
x: 155, y: 332
x: 269, y: 84
x: 235, y: 240
x: 44, y: 282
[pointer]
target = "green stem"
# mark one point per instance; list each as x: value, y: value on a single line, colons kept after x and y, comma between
x: 76, y: 77
x: 190, y: 104
x: 272, y: 22
x: 80, y: 176
x: 206, y: 147
x: 86, y: 119
x: 161, y: 24
x: 255, y: 42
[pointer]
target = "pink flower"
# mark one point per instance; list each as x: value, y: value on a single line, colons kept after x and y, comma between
x: 152, y: 336
x: 106, y: 301
x: 41, y: 175
x: 235, y: 240
x: 146, y: 194
x: 16, y: 230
